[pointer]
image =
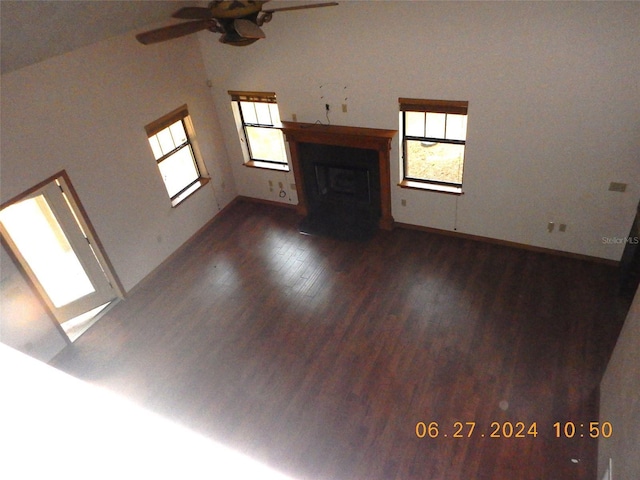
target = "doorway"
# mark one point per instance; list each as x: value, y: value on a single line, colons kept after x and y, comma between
x: 49, y: 235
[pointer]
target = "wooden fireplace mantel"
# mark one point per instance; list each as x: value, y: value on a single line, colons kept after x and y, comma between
x: 344, y: 136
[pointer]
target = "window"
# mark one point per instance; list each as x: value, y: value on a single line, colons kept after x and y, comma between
x: 434, y: 134
x: 171, y: 141
x: 259, y: 127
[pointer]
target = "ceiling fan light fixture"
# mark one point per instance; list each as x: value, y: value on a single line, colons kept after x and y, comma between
x: 247, y: 29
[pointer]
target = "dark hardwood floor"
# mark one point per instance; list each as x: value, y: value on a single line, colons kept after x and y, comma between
x: 319, y: 357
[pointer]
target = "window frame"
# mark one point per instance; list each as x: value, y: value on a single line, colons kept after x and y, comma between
x: 257, y: 97
x: 180, y: 114
x: 455, y: 107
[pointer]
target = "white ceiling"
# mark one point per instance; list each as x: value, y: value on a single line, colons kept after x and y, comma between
x: 32, y: 31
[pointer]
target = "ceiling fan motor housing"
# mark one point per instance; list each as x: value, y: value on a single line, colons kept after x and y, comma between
x: 235, y: 9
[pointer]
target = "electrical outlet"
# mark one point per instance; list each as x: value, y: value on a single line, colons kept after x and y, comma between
x: 562, y: 227
x: 292, y: 186
x: 344, y: 108
x: 280, y: 185
x: 294, y: 117
x: 403, y: 202
x: 550, y: 226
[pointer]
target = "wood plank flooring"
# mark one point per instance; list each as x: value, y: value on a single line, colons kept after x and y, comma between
x: 319, y: 357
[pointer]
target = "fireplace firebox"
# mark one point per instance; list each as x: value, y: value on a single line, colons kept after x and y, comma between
x: 343, y: 190
x: 343, y: 184
x: 342, y: 178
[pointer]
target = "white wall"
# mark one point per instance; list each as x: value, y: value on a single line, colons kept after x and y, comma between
x: 85, y: 112
x: 620, y: 402
x: 554, y: 105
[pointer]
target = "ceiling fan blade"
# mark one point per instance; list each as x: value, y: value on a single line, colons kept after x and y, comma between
x: 247, y: 29
x: 172, y: 31
x: 193, y: 13
x: 302, y: 7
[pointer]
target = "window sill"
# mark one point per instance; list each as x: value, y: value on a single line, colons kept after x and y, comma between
x: 267, y: 165
x: 433, y: 187
x: 202, y: 181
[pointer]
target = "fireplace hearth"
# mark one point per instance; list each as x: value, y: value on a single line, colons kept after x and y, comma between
x: 342, y: 178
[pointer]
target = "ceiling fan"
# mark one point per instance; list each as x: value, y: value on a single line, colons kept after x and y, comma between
x: 238, y: 21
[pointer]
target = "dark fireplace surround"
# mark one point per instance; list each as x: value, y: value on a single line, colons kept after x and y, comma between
x: 342, y: 173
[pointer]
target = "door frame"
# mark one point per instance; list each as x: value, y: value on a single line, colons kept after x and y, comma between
x: 81, y: 214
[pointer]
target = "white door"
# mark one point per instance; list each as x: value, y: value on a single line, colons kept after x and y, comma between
x: 47, y: 237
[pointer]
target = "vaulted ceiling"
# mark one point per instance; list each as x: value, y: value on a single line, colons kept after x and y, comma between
x: 32, y: 31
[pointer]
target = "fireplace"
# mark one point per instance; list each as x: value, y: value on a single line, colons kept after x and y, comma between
x: 342, y: 178
x: 342, y: 189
